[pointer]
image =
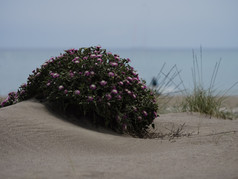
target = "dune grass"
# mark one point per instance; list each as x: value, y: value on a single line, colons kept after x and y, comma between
x: 208, y: 101
x: 203, y: 101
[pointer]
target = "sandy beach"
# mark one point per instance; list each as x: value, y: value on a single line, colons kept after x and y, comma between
x: 37, y: 143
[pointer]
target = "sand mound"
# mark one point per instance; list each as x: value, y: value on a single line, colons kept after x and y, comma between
x: 36, y: 143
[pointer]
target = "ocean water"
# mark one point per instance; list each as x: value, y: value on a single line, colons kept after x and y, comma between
x: 16, y: 65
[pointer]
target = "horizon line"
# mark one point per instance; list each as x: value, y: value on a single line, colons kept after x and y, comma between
x: 121, y: 48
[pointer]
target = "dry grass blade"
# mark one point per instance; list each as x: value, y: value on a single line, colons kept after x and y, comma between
x: 166, y: 85
x: 173, y: 132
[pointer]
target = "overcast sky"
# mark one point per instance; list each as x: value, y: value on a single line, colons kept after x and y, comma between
x: 118, y: 23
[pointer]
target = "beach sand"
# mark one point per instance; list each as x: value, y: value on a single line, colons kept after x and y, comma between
x: 37, y: 143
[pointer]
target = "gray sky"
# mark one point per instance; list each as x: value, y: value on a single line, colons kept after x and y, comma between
x: 118, y: 23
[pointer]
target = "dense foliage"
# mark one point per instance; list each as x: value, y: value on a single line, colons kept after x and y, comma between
x: 92, y: 82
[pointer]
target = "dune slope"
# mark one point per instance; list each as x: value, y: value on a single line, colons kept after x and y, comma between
x: 36, y: 143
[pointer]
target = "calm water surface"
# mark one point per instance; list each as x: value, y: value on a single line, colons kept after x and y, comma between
x: 16, y: 65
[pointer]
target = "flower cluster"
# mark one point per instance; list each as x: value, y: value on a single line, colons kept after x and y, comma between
x: 94, y: 82
x: 11, y: 99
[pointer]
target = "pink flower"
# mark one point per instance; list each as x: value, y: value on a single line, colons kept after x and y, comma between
x: 108, y: 96
x: 54, y: 75
x: 60, y: 56
x: 119, y: 97
x: 61, y: 87
x: 134, y: 108
x: 139, y: 118
x: 86, y: 73
x: 114, y: 64
x: 109, y: 53
x: 127, y: 82
x: 134, y: 73
x: 129, y: 78
x: 90, y: 98
x: 48, y: 84
x: 135, y: 79
x: 92, y: 73
x: 75, y: 59
x: 93, y: 56
x: 38, y: 74
x: 65, y: 91
x: 77, y: 92
x: 134, y: 96
x: 71, y: 51
x: 45, y: 64
x: 114, y: 91
x: 128, y: 60
x: 103, y: 83
x: 85, y: 58
x: 51, y: 60
x: 143, y: 86
x: 99, y: 60
x: 99, y: 55
x: 111, y: 74
x: 71, y: 74
x: 145, y: 113
x: 93, y: 86
x: 98, y: 47
x: 118, y: 58
x: 120, y: 83
x: 128, y: 91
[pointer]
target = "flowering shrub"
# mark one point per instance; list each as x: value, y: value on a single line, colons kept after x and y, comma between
x: 90, y: 81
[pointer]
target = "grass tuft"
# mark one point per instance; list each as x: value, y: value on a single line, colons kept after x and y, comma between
x: 206, y: 101
x: 173, y: 96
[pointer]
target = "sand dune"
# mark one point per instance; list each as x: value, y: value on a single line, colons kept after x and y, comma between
x: 36, y: 143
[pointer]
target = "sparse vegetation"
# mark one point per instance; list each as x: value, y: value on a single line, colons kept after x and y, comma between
x: 200, y: 99
x: 169, y: 132
x: 207, y: 101
x: 167, y: 85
